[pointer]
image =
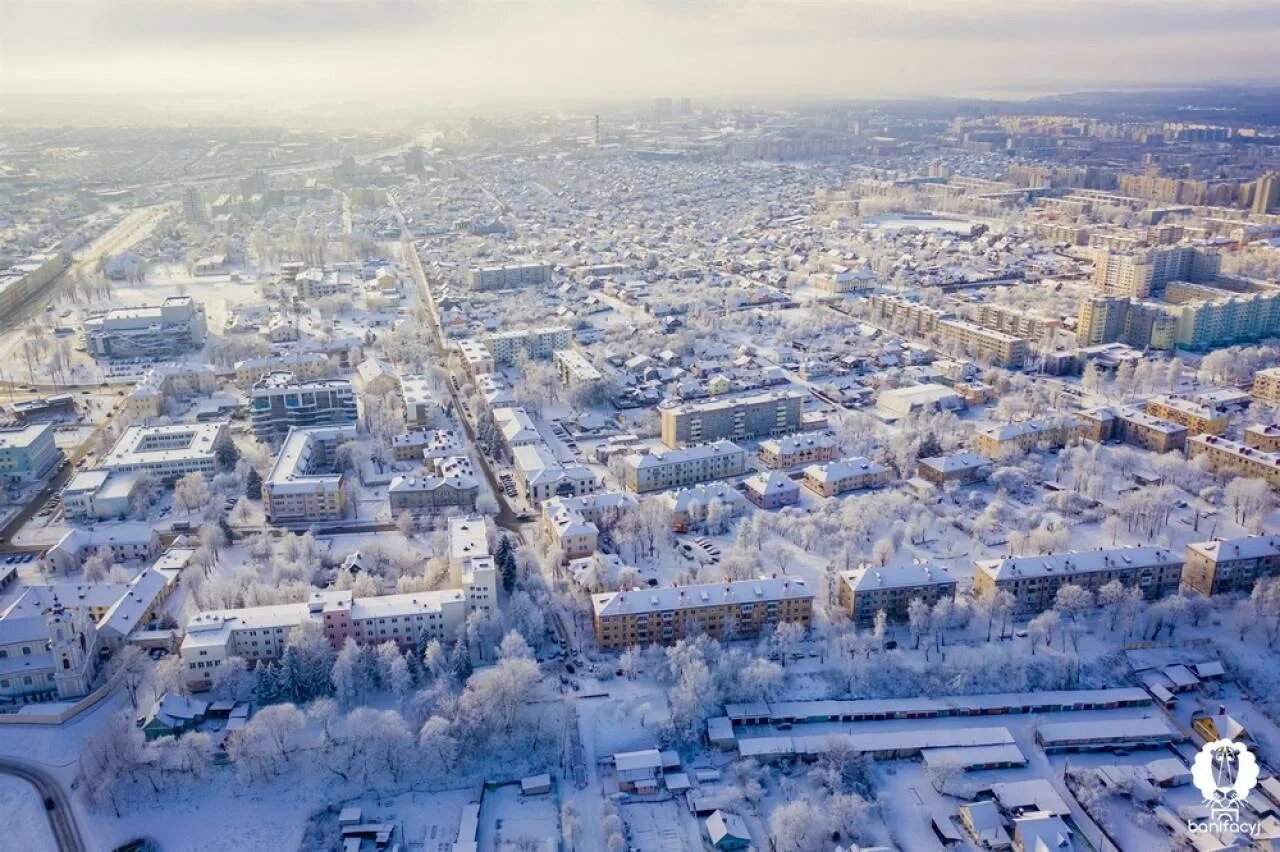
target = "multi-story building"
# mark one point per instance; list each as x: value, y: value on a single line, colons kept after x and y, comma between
x: 962, y: 468
x: 1140, y: 274
x: 1266, y: 385
x: 477, y: 360
x: 1034, y: 580
x: 28, y: 453
x: 50, y: 655
x: 793, y: 450
x: 1014, y: 322
x: 123, y: 542
x: 771, y: 490
x: 1264, y: 437
x: 1230, y: 565
x: 574, y: 367
x: 866, y: 591
x: 420, y: 405
x: 540, y: 475
x: 845, y: 475
x: 1143, y: 325
x: 174, y: 326
x: 988, y: 344
x: 261, y: 634
x: 305, y: 484
x: 664, y: 469
x: 471, y: 565
x: 1213, y: 318
x: 167, y: 452
x: 1200, y: 419
x: 1012, y: 439
x: 303, y: 365
x: 25, y: 279
x: 1226, y: 454
x: 733, y: 610
x: 1133, y: 426
x: 450, y: 481
x: 100, y: 495
x: 1266, y: 194
x: 569, y: 530
x: 508, y: 277
x: 280, y: 401
x: 535, y: 343
x: 735, y: 419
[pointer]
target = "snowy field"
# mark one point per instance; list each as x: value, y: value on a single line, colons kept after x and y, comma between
x: 26, y: 825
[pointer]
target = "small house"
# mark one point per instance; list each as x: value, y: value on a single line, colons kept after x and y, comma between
x: 727, y: 831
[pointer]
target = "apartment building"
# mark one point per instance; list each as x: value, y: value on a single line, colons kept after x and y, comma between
x: 1034, y: 580
x: 536, y: 343
x: 303, y: 365
x: 1013, y: 439
x: 733, y: 610
x: 865, y: 591
x: 1266, y: 385
x: 662, y: 469
x: 569, y: 530
x: 1211, y: 318
x: 471, y: 565
x: 100, y: 495
x: 122, y: 542
x: 1226, y: 454
x: 174, y: 326
x: 987, y: 344
x: 24, y: 279
x: 1014, y: 322
x: 167, y: 452
x: 844, y: 475
x: 691, y: 506
x: 280, y: 401
x: 1264, y: 437
x: 1142, y: 325
x: 1143, y: 273
x: 28, y: 453
x: 261, y: 634
x: 794, y: 450
x: 1200, y: 419
x: 477, y: 360
x: 305, y: 484
x: 962, y: 468
x: 771, y: 490
x: 574, y: 368
x: 735, y: 419
x: 1133, y: 426
x: 508, y: 277
x: 420, y: 404
x: 1230, y: 565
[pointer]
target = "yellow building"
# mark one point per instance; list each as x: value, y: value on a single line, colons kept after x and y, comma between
x: 1199, y: 419
x: 734, y: 610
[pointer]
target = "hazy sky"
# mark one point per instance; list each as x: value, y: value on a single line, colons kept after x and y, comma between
x: 456, y: 51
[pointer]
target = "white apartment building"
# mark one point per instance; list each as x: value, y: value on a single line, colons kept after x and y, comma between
x: 536, y: 343
x: 472, y: 565
x: 304, y: 484
x: 259, y: 634
x: 662, y: 469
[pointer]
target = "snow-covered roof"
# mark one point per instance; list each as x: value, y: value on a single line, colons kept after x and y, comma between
x: 1079, y: 562
x: 1244, y: 547
x: 709, y: 594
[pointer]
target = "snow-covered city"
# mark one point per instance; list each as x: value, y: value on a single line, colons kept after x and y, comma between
x: 647, y: 473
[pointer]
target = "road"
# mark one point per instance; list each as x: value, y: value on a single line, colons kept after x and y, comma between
x: 129, y: 231
x: 506, y: 518
x: 57, y: 805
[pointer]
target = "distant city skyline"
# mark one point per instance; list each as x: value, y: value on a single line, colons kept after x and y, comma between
x: 493, y: 51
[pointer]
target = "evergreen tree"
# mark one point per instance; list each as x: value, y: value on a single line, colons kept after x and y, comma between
x: 225, y: 453
x: 505, y: 557
x: 460, y: 660
x: 267, y: 690
x: 253, y: 485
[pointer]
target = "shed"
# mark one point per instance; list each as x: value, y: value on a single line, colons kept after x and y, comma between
x: 536, y: 785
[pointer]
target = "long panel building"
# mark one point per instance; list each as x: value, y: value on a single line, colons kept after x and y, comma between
x: 732, y: 610
x: 1034, y: 580
x: 736, y: 419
